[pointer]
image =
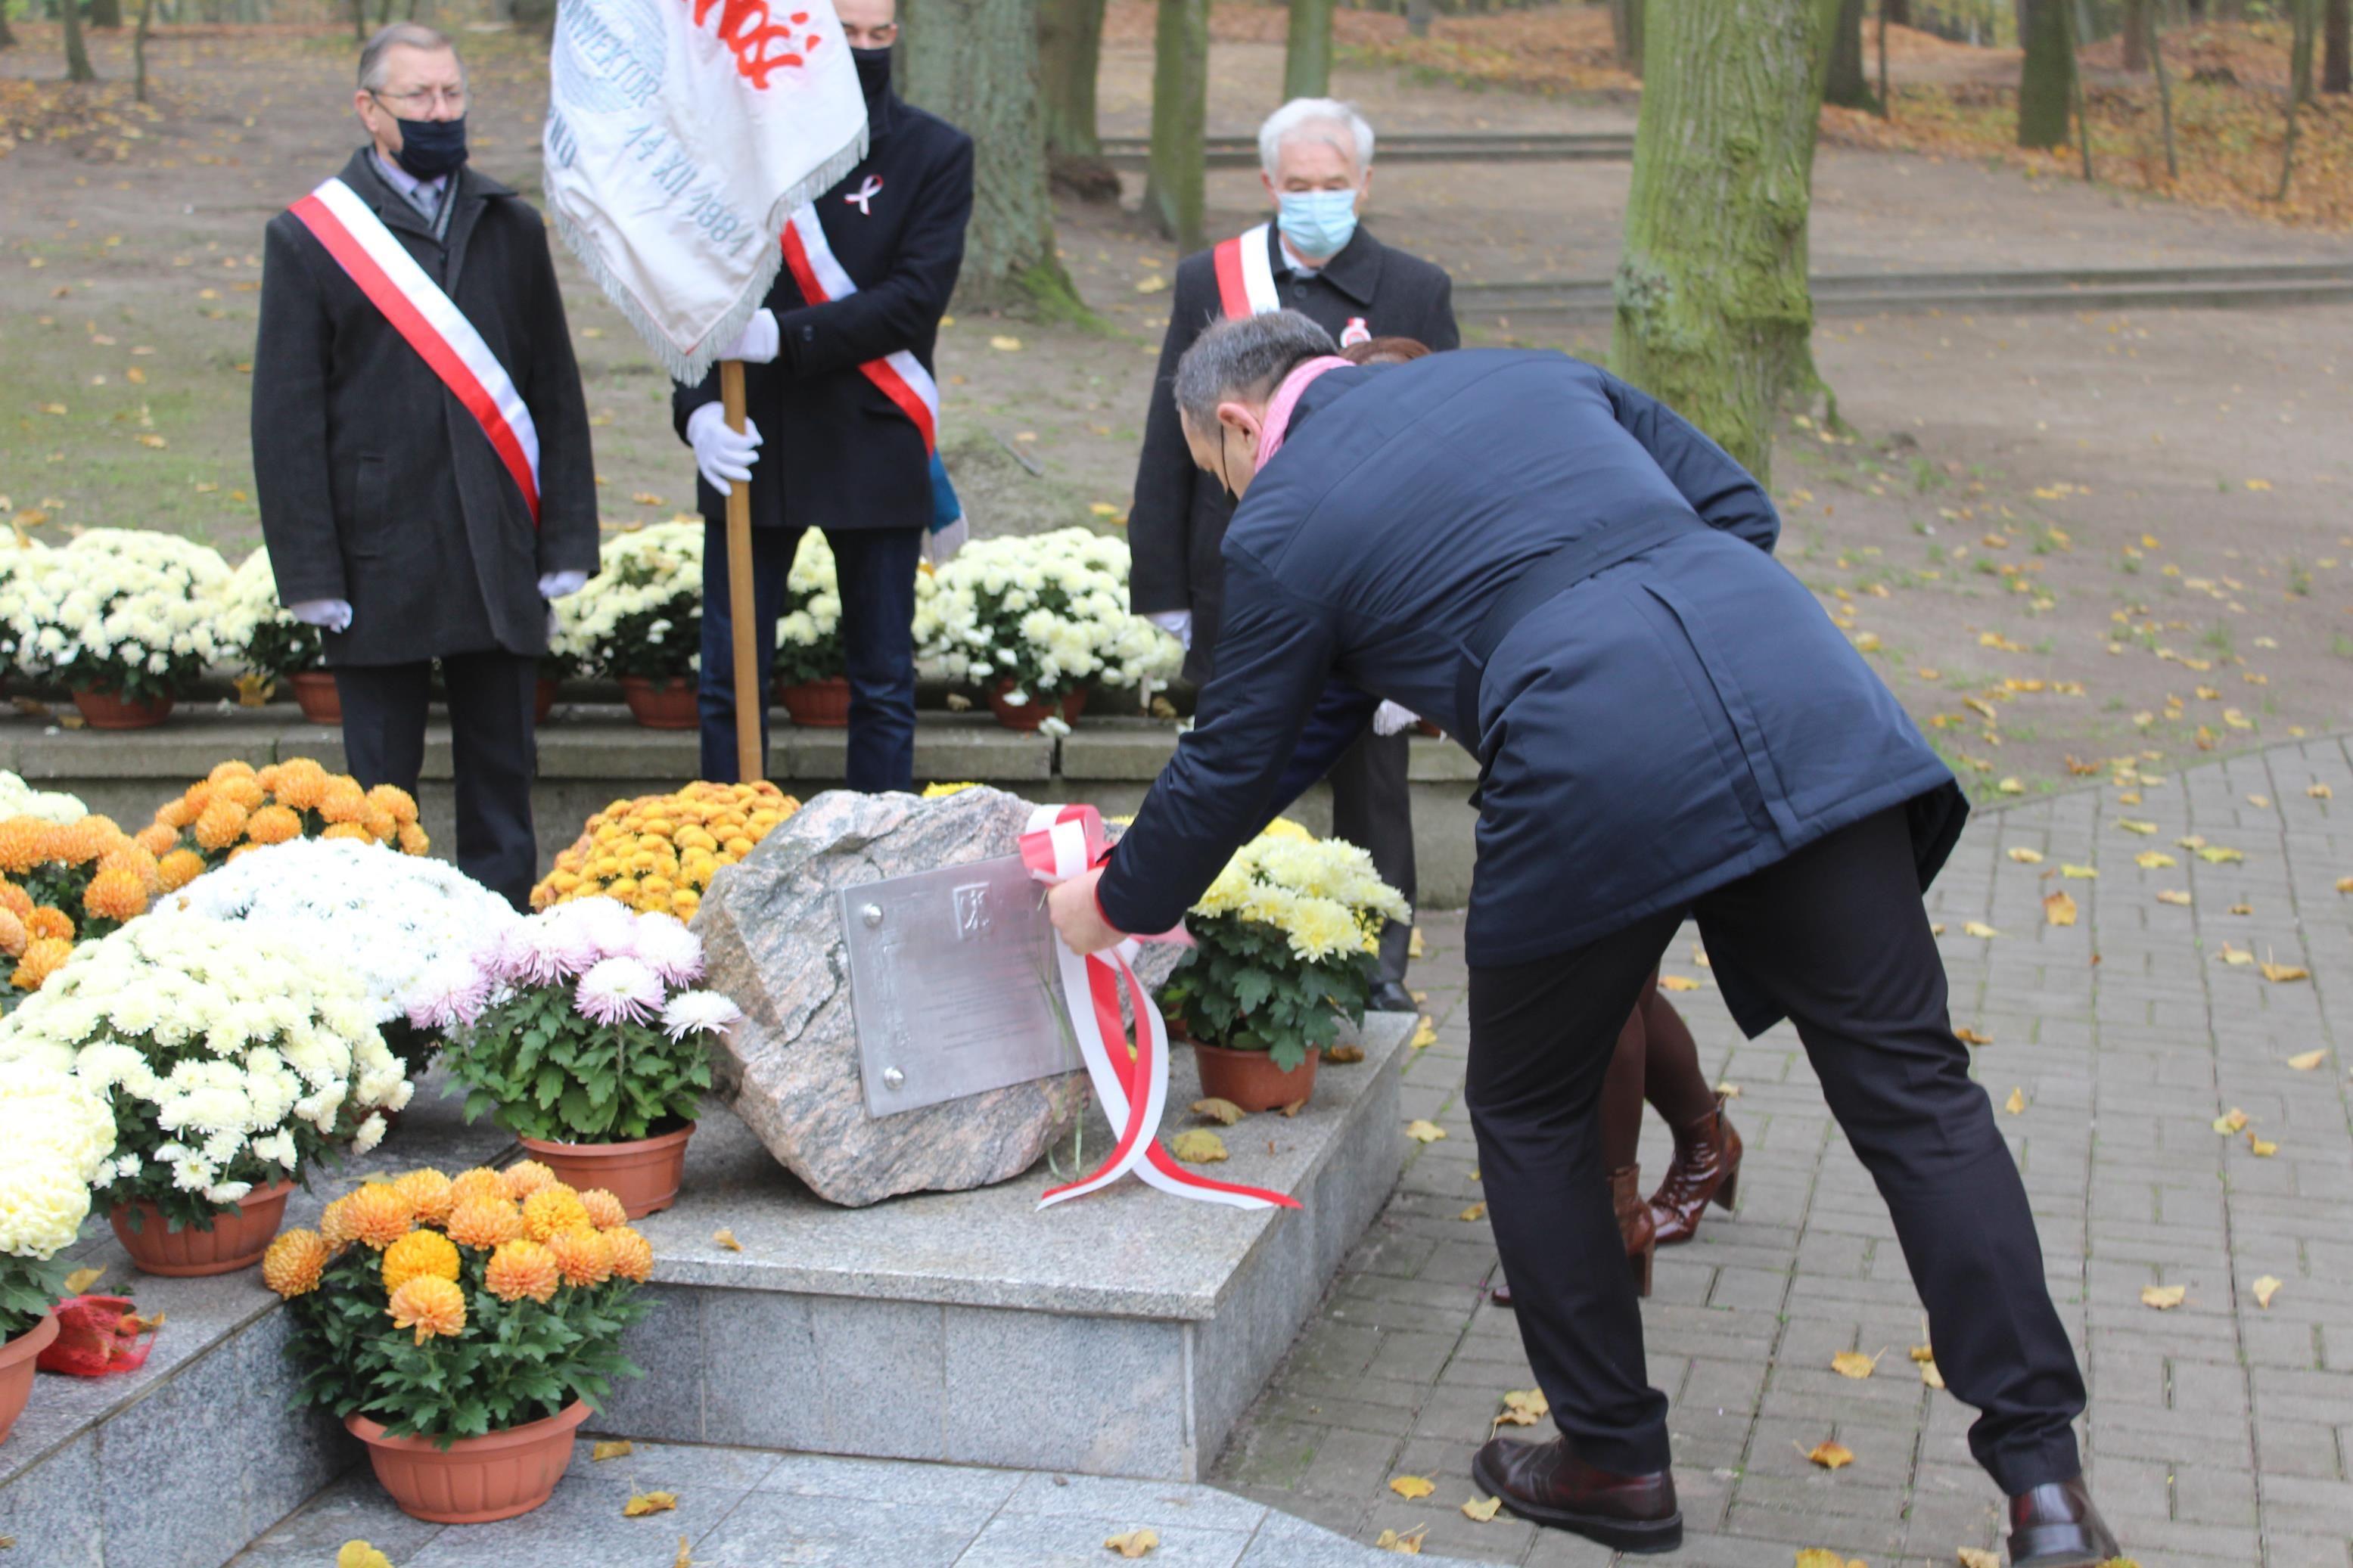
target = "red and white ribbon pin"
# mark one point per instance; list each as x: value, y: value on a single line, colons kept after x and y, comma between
x: 1066, y: 841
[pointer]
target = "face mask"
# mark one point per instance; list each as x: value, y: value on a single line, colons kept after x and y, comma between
x: 431, y: 148
x: 873, y: 72
x: 1319, y: 224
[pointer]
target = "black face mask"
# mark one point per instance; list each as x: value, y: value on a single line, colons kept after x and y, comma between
x: 432, y: 147
x: 873, y: 73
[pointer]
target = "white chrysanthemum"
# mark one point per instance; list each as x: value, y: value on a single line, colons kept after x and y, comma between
x: 665, y: 946
x: 698, y: 1013
x: 18, y: 798
x: 618, y: 991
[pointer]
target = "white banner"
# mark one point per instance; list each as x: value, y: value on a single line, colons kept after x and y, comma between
x: 680, y: 136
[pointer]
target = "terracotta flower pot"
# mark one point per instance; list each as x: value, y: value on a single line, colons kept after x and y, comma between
x: 1030, y: 715
x: 542, y: 701
x: 819, y: 704
x: 238, y: 1237
x: 661, y: 705
x: 643, y: 1173
x: 1250, y: 1080
x: 17, y: 1369
x: 315, y: 694
x: 475, y: 1479
x: 107, y: 711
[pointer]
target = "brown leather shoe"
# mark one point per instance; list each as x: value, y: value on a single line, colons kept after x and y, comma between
x: 1634, y: 1226
x: 1705, y: 1168
x: 2056, y: 1526
x: 1547, y: 1483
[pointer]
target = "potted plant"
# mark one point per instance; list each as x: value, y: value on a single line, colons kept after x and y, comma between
x: 406, y: 927
x: 659, y: 852
x: 63, y: 883
x: 56, y: 1137
x: 462, y: 1329
x: 1034, y: 621
x: 238, y: 807
x: 235, y: 1059
x: 275, y: 648
x: 809, y: 678
x: 17, y: 550
x: 18, y: 798
x: 592, y: 1048
x: 1285, y: 942
x: 126, y: 617
x: 640, y: 620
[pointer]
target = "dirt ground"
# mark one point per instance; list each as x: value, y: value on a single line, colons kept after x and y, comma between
x: 2083, y: 538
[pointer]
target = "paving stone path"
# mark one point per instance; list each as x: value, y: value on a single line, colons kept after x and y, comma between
x: 2220, y: 1432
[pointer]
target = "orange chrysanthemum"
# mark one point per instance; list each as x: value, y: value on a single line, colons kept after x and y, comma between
x: 331, y: 1221
x: 485, y: 1223
x: 232, y: 769
x: 633, y: 1255
x: 179, y: 868
x: 274, y: 825
x: 13, y: 934
x: 14, y: 900
x: 245, y: 790
x: 293, y: 1264
x: 343, y: 800
x: 434, y: 1307
x: 48, y: 922
x: 414, y: 840
x: 23, y: 844
x: 521, y: 1268
x: 117, y: 895
x: 417, y: 1255
x: 377, y: 1214
x: 396, y: 800
x: 378, y: 822
x: 551, y: 1210
x: 44, y: 956
x: 431, y: 1195
x: 76, y: 842
x: 266, y: 776
x: 481, y: 1182
x: 582, y: 1256
x: 129, y: 855
x: 177, y: 813
x: 156, y: 838
x: 525, y: 1177
x: 605, y: 1210
x: 221, y: 825
x: 351, y: 830
x: 301, y: 783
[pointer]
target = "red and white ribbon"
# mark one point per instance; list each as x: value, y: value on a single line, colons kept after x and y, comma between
x: 1132, y: 1080
x: 899, y: 374
x: 431, y: 324
x: 1245, y: 275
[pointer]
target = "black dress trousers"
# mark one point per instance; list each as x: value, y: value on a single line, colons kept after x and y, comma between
x: 1836, y: 934
x: 1372, y: 808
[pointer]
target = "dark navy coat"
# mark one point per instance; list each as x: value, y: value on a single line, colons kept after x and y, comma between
x: 1663, y: 728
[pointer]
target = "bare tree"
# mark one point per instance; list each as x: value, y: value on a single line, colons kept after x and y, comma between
x: 2337, y: 46
x: 1173, y: 193
x: 77, y: 55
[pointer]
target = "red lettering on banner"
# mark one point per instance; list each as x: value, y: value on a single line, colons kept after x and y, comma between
x: 760, y: 45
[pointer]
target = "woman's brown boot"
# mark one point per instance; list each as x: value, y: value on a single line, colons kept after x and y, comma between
x: 1634, y: 1224
x: 1705, y: 1168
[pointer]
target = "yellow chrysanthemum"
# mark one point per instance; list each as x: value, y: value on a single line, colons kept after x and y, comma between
x: 274, y: 825
x: 351, y: 830
x: 343, y: 800
x: 434, y: 1307
x: 605, y: 1210
x: 222, y: 824
x: 179, y: 868
x: 44, y: 956
x: 377, y: 1214
x: 431, y: 1195
x: 417, y: 1255
x: 300, y: 784
x: 414, y: 840
x: 117, y: 895
x: 156, y: 838
x: 243, y: 789
x: 481, y: 1182
x: 484, y: 1222
x: 379, y: 823
x: 520, y: 1269
x: 396, y: 800
x: 234, y: 768
x: 525, y: 1177
x: 553, y: 1210
x: 582, y: 1256
x: 1284, y: 827
x: 293, y: 1264
x: 633, y: 1255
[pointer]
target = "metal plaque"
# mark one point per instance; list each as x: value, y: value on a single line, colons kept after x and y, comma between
x: 953, y: 985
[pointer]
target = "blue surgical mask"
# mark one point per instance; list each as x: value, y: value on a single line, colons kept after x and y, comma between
x: 1319, y: 224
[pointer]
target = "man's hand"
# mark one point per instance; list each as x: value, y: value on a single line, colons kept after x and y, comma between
x: 722, y: 455
x: 1072, y: 907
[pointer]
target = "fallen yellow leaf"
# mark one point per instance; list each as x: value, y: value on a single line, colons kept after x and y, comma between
x: 1972, y: 1038
x: 1977, y: 1557
x: 2230, y: 1122
x: 1344, y: 1056
x: 2194, y: 841
x: 2080, y: 873
x: 647, y: 498
x: 2242, y: 909
x: 1523, y: 1407
x: 2011, y: 786
x: 1425, y: 1034
x: 2283, y: 973
x: 2026, y: 856
x: 2164, y: 1297
x: 1930, y: 1375
x: 1424, y: 1131
x: 2219, y: 855
x: 1198, y: 1146
x: 1005, y: 344
x: 726, y: 1238
x: 2345, y: 884
x: 2237, y: 957
x: 1823, y: 1557
x: 1225, y: 1113
x: 2265, y: 1288
x: 1854, y: 1365
x: 1475, y: 1212
x: 1831, y: 1456
x: 643, y: 1503
x: 2016, y: 1103
x: 1411, y: 1487
x: 1677, y: 982
x: 1481, y: 1509
x: 1103, y: 509
x: 2154, y: 860
x: 1980, y: 929
x: 2179, y: 897
x: 2262, y: 1147
x: 612, y: 1449
x: 2131, y: 825
x: 2259, y: 801
x: 1294, y: 1108
x: 1134, y: 1543
x: 1410, y: 1543
x: 2304, y: 1061
x: 81, y: 1280
x: 2058, y: 909
x: 685, y: 1558
x: 2320, y: 792
x: 360, y: 1554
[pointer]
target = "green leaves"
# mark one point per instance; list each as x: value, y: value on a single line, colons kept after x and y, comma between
x: 29, y: 1287
x: 1243, y: 988
x: 542, y: 1071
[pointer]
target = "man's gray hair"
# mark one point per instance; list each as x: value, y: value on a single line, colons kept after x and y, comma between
x: 1321, y: 120
x: 398, y: 34
x: 1245, y: 358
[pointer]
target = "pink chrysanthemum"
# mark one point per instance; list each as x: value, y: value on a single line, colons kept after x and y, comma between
x: 618, y: 991
x: 698, y: 1012
x: 606, y: 924
x: 665, y: 946
x: 451, y: 991
x: 544, y: 949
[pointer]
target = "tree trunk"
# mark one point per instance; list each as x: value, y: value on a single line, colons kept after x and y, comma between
x: 77, y: 56
x: 2047, y: 79
x: 2337, y: 46
x: 359, y: 20
x: 2075, y: 89
x: 139, y: 49
x: 2136, y: 23
x: 975, y: 64
x: 1843, y: 82
x: 1898, y: 13
x: 1418, y: 13
x: 1070, y: 57
x: 2164, y: 92
x: 7, y: 37
x: 1715, y: 314
x: 1307, y: 51
x: 2299, y: 80
x: 1626, y: 33
x: 106, y: 13
x: 1886, y: 93
x: 1173, y: 195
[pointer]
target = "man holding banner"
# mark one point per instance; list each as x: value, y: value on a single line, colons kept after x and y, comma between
x: 843, y: 415
x: 420, y: 446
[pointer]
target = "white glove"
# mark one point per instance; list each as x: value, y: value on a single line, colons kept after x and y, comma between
x: 722, y: 455
x: 334, y: 615
x: 1388, y: 719
x: 561, y: 584
x: 1178, y: 624
x: 759, y: 340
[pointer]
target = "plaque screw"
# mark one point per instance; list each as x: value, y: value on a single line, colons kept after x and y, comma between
x: 872, y: 915
x: 893, y: 1078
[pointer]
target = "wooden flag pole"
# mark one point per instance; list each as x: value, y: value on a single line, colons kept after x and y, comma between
x: 750, y: 700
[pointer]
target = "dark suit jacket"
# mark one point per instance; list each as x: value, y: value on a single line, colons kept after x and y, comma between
x: 376, y: 484
x: 1178, y: 518
x: 835, y: 452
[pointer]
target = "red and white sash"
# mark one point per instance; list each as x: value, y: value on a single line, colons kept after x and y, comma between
x: 431, y: 324
x: 1065, y: 841
x: 1245, y: 275
x: 899, y: 375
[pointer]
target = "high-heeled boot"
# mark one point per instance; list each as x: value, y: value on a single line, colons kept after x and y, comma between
x: 1705, y: 1168
x: 1635, y: 1226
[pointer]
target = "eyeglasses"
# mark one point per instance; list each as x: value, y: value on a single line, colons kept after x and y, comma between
x: 412, y: 105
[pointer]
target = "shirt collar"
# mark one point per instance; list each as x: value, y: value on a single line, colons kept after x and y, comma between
x: 423, y: 195
x: 1356, y: 271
